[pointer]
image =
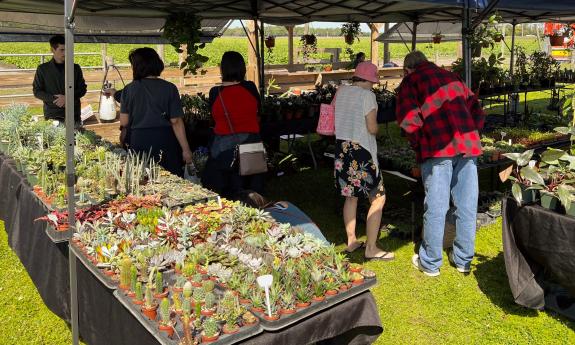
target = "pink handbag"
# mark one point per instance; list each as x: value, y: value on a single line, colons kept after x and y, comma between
x: 326, y: 123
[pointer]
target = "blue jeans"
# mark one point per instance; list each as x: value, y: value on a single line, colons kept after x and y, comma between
x: 454, y: 177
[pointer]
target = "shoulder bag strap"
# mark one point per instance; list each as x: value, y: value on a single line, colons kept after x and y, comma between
x: 226, y: 114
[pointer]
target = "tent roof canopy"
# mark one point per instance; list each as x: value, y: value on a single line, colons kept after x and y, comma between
x: 302, y: 11
x: 33, y: 27
x: 402, y: 32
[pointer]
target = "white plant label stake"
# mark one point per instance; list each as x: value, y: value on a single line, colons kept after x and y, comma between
x: 265, y: 282
x: 219, y: 202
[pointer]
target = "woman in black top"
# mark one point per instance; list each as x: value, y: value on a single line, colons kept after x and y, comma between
x: 151, y: 112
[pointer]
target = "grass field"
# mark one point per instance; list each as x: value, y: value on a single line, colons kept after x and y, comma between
x: 215, y: 50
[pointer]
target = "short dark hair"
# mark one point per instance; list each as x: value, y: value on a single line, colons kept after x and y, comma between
x: 56, y: 40
x: 253, y: 199
x: 233, y: 66
x: 145, y: 63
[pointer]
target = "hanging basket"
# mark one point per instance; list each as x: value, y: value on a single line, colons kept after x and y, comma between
x: 476, y: 52
x: 270, y: 42
x: 349, y: 39
x: 310, y: 39
x: 436, y: 39
x: 498, y: 38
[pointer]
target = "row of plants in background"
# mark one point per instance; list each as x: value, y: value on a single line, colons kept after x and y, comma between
x: 103, y: 171
x: 548, y: 177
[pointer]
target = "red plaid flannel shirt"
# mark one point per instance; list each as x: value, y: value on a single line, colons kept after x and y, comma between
x: 441, y: 116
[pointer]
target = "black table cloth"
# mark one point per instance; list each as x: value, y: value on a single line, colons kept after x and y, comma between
x: 537, y: 243
x: 104, y: 320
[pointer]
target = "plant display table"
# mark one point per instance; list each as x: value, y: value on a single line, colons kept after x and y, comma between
x: 538, y: 244
x: 103, y: 319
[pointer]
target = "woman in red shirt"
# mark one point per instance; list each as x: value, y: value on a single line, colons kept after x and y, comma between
x: 241, y: 101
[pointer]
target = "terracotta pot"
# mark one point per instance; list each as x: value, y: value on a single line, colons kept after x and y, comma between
x: 207, y: 312
x: 201, y: 270
x: 287, y: 311
x: 328, y: 68
x: 212, y: 278
x: 223, y: 285
x: 318, y: 298
x: 331, y: 292
x: 274, y: 317
x: 177, y: 289
x: 245, y: 301
x: 230, y: 331
x: 194, y: 284
x: 131, y: 294
x: 109, y: 273
x: 124, y: 287
x: 151, y: 313
x: 169, y: 330
x: 62, y: 227
x: 343, y: 288
x: 206, y: 339
x: 161, y: 295
x: 355, y: 269
x: 416, y: 172
x: 257, y: 310
x: 137, y: 302
x: 301, y: 305
x: 358, y: 281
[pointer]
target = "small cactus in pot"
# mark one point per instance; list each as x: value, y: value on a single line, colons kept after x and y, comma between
x: 150, y: 306
x: 138, y: 298
x: 211, y: 331
x: 166, y: 321
x: 160, y: 290
x: 209, y: 306
x: 125, y: 273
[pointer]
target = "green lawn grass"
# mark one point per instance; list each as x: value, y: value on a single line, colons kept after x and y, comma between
x: 414, y: 309
x: 216, y: 49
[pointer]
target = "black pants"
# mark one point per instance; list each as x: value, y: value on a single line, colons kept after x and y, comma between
x: 163, y: 145
x: 220, y: 177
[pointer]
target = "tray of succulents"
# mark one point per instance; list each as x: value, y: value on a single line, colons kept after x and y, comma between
x: 183, y: 314
x: 104, y: 274
x: 285, y: 318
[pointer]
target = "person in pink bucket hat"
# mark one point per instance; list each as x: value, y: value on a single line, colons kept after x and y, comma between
x: 356, y: 169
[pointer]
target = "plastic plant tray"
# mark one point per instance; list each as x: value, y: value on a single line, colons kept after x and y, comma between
x: 97, y: 272
x: 245, y: 332
x: 168, y: 202
x: 315, y: 307
x: 58, y: 236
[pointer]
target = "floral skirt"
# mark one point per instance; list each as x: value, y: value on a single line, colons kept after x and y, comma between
x: 355, y: 172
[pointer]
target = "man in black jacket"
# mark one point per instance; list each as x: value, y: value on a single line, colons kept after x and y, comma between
x: 49, y: 83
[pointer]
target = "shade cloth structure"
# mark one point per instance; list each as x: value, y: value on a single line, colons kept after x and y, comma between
x: 35, y: 27
x: 403, y: 32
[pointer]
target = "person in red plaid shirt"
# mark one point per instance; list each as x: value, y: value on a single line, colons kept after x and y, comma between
x: 442, y: 119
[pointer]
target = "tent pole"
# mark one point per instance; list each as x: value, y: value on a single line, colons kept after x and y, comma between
x: 511, y: 62
x: 69, y: 9
x: 414, y: 36
x: 262, y: 75
x: 465, y: 33
x: 386, y: 56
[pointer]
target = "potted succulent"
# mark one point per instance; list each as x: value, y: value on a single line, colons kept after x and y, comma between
x: 150, y: 307
x: 257, y: 301
x: 138, y: 298
x: 287, y: 303
x: 318, y: 291
x: 209, y: 305
x: 197, y: 280
x: 160, y: 291
x: 198, y: 296
x: 166, y: 325
x: 524, y: 177
x: 357, y: 278
x: 133, y: 281
x: 210, y: 331
x: 177, y: 303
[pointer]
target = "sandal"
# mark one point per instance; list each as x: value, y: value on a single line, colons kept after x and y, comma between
x: 387, y: 256
x: 358, y: 245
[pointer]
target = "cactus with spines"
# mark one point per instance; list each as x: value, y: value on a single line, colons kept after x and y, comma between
x: 188, y: 289
x: 199, y: 295
x: 133, y: 278
x: 177, y: 301
x: 208, y: 286
x: 209, y: 301
x: 139, y: 293
x: 159, y: 282
x: 186, y: 307
x: 125, y: 271
x: 210, y: 327
x: 197, y: 278
x: 165, y: 311
x: 149, y: 299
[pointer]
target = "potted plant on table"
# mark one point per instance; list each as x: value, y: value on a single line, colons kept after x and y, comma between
x: 150, y: 306
x: 525, y: 178
x: 211, y: 331
x: 166, y: 325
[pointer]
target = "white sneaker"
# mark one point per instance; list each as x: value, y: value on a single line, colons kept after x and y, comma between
x: 452, y: 262
x: 417, y: 264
